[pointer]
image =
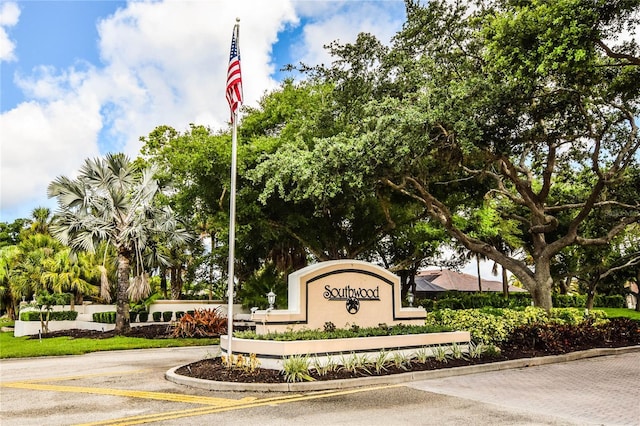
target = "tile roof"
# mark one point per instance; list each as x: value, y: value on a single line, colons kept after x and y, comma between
x: 445, y: 279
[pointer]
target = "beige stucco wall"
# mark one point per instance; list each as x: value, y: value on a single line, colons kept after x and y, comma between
x: 317, y: 296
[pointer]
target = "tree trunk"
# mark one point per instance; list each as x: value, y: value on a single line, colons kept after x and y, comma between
x: 163, y: 282
x: 122, y: 296
x: 505, y: 283
x: 404, y: 275
x: 591, y: 293
x: 540, y: 285
x: 637, y: 294
x: 176, y: 282
x: 564, y: 284
x: 478, y: 266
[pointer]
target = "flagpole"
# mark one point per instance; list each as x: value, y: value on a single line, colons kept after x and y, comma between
x: 232, y: 205
x: 232, y: 233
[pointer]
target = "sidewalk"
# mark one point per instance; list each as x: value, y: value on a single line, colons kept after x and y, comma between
x: 603, y: 390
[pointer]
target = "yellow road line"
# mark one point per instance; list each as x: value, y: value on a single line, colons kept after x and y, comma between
x: 212, y: 405
x: 85, y: 376
x: 172, y: 415
x: 162, y: 396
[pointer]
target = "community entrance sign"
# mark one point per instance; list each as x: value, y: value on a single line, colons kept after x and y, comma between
x: 342, y: 292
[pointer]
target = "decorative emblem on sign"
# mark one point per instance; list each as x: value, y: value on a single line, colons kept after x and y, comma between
x: 353, y: 296
x: 353, y: 305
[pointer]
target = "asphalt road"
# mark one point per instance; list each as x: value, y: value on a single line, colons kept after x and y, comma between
x: 128, y: 387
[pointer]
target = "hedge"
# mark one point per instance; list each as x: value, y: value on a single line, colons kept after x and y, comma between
x: 53, y: 316
x: 463, y: 300
x: 108, y: 317
x: 493, y: 325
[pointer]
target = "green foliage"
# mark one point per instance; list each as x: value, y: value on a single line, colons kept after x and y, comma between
x: 569, y: 300
x: 52, y: 315
x: 493, y: 325
x: 296, y: 369
x: 380, y: 362
x: 469, y: 300
x: 255, y: 289
x: 323, y: 367
x: 156, y: 316
x: 167, y: 315
x: 441, y: 354
x: 342, y: 333
x: 464, y: 300
x: 615, y: 301
x: 114, y: 201
x: 108, y: 317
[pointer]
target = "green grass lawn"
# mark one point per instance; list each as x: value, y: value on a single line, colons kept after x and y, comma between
x: 621, y: 312
x: 23, y: 347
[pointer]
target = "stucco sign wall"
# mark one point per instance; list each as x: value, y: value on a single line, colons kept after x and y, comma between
x: 343, y: 292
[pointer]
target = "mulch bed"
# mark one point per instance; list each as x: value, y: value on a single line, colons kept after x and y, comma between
x: 212, y: 369
x: 152, y: 331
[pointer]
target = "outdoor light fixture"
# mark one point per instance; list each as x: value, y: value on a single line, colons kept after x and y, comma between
x: 410, y: 298
x: 271, y: 298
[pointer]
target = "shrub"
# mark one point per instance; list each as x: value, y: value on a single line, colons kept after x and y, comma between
x: 105, y: 317
x: 553, y: 338
x: 466, y: 300
x: 615, y: 301
x: 156, y: 316
x: 53, y: 316
x: 179, y: 314
x: 203, y: 323
x: 296, y: 369
x: 133, y: 316
x: 143, y: 316
x: 493, y: 325
x: 166, y: 316
x: 341, y: 333
x: 569, y: 300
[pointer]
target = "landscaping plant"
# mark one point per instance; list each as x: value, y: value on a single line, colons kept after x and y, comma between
x: 203, y: 323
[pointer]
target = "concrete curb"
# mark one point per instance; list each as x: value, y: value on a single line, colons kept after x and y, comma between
x: 171, y: 375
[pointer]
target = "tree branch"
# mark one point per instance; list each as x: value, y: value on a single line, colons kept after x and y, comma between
x: 610, y: 53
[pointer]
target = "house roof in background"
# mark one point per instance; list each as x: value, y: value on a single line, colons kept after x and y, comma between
x: 447, y: 280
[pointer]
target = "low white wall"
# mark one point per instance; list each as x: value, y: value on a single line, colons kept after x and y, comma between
x: 239, y: 313
x: 31, y: 328
x: 85, y: 315
x: 271, y: 353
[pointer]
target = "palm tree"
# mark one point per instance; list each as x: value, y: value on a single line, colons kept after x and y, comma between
x: 41, y: 219
x: 112, y: 200
x: 8, y: 258
x: 65, y: 272
x: 32, y: 254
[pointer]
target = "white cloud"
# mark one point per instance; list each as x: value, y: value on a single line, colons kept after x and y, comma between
x: 162, y: 63
x: 383, y: 19
x: 165, y: 63
x: 41, y: 141
x: 9, y: 15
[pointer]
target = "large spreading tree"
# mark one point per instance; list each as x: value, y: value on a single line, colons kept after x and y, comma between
x: 485, y: 115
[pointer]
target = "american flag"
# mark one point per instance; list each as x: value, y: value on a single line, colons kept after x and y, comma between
x: 234, y: 78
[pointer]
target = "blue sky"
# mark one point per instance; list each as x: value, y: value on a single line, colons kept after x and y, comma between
x: 82, y: 78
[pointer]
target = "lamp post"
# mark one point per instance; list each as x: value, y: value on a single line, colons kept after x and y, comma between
x: 271, y: 298
x: 410, y: 298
